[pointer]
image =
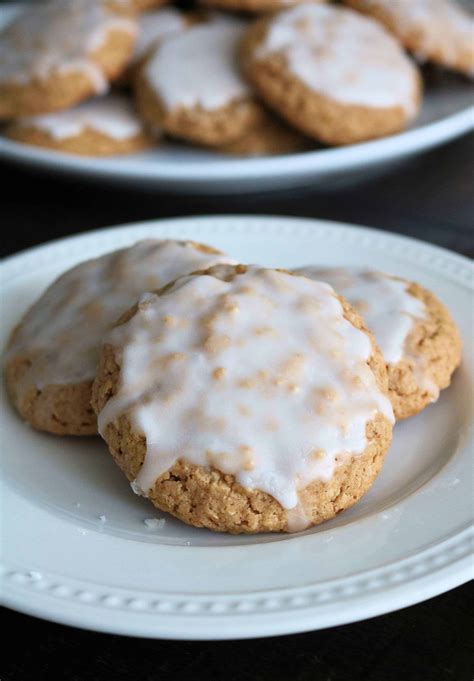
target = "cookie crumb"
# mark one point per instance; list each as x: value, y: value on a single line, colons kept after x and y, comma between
x: 35, y: 576
x: 137, y: 489
x: 154, y: 523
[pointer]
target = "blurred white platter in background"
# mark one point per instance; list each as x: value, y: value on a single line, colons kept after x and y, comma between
x: 447, y: 113
x: 408, y: 539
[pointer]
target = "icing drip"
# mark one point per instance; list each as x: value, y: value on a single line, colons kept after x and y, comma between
x: 342, y: 55
x: 261, y: 377
x: 388, y: 309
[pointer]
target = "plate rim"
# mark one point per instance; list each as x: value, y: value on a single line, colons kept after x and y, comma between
x: 191, y: 624
x: 186, y: 624
x: 312, y: 224
x: 320, y: 161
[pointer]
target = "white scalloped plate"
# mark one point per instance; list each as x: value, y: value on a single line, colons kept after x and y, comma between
x: 407, y: 540
x: 447, y: 113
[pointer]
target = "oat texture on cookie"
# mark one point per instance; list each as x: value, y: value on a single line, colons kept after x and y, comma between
x: 417, y: 337
x: 333, y: 73
x: 248, y: 388
x: 56, y: 346
x: 58, y: 53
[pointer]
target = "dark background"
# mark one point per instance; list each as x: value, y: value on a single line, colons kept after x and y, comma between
x: 430, y: 198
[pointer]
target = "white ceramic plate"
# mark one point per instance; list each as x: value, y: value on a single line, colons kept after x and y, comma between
x: 447, y: 113
x: 407, y: 540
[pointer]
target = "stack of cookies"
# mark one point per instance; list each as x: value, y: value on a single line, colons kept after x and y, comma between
x: 237, y: 398
x: 239, y: 76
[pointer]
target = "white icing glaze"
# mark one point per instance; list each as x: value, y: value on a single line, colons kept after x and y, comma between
x: 155, y: 26
x: 112, y: 115
x: 63, y: 330
x: 261, y: 377
x: 388, y: 309
x: 199, y: 67
x: 442, y: 27
x: 58, y: 37
x: 342, y: 55
x: 154, y: 523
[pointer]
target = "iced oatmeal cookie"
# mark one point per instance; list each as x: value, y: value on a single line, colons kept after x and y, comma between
x: 191, y: 86
x: 440, y: 31
x: 102, y: 126
x: 56, y: 54
x: 334, y: 74
x: 415, y: 332
x: 245, y: 399
x: 53, y: 353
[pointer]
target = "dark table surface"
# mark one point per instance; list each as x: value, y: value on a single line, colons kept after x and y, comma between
x: 430, y: 198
